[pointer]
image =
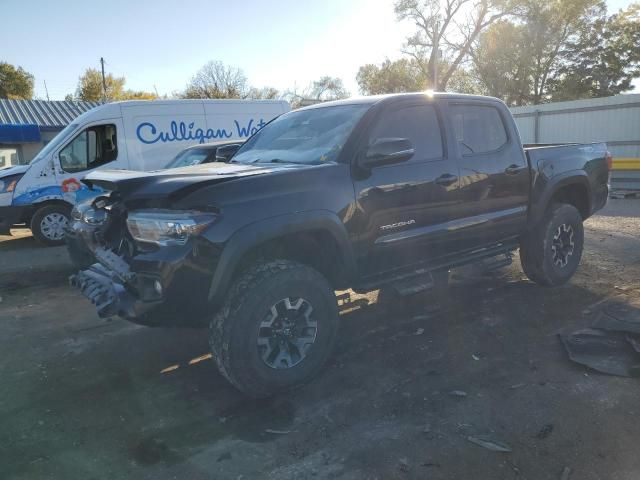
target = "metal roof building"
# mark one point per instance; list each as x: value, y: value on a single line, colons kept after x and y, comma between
x: 28, y: 125
x: 615, y: 120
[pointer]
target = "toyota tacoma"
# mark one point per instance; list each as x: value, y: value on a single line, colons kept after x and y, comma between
x: 376, y: 193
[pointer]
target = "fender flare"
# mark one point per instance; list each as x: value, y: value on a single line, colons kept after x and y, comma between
x: 552, y: 186
x: 271, y: 228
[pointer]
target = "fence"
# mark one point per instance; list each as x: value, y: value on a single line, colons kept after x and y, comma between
x: 615, y: 120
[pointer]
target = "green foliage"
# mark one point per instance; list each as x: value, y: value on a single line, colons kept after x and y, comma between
x: 15, y: 83
x: 559, y: 50
x: 90, y: 86
x: 404, y: 75
x: 603, y: 59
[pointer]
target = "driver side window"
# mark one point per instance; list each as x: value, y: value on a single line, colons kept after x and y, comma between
x: 93, y: 147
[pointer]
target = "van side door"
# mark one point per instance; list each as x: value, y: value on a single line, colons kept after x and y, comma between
x: 494, y: 174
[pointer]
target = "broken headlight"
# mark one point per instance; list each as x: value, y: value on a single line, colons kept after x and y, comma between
x: 167, y: 227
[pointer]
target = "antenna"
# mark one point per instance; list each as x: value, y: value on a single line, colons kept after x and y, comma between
x: 104, y: 82
x: 46, y: 91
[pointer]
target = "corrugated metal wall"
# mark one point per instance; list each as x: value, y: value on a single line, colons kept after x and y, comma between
x: 615, y: 120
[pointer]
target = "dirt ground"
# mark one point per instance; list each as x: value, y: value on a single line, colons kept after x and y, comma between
x: 86, y: 399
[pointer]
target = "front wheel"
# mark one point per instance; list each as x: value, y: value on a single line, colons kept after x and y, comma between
x: 276, y: 329
x: 551, y: 253
x: 49, y: 222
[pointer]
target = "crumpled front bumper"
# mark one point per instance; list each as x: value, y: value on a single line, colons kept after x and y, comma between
x: 106, y: 285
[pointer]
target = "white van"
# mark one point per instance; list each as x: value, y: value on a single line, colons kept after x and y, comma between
x: 135, y: 135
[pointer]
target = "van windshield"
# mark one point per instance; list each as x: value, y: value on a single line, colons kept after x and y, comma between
x: 55, y: 142
x: 311, y: 136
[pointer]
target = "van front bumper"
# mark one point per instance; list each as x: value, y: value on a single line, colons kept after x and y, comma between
x: 10, y: 216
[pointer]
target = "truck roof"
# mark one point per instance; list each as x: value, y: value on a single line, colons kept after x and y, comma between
x: 374, y: 99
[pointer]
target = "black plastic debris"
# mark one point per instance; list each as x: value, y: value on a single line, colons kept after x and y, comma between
x: 619, y: 318
x: 604, y: 351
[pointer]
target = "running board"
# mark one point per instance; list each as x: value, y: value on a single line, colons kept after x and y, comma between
x: 417, y: 277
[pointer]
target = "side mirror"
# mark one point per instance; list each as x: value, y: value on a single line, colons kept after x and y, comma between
x: 387, y: 151
x: 224, y: 153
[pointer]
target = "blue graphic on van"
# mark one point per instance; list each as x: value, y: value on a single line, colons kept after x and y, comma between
x: 54, y: 192
x: 148, y: 133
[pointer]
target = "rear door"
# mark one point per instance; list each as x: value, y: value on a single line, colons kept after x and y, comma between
x: 494, y: 176
x: 402, y: 207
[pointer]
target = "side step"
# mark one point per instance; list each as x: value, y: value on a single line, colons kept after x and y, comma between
x: 491, y: 258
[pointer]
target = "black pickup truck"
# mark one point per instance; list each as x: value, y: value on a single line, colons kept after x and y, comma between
x: 386, y: 192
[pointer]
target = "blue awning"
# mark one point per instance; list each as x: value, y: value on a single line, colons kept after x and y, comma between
x: 19, y: 133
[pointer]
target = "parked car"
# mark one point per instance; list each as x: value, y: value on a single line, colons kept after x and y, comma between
x: 133, y: 135
x: 204, y: 153
x: 385, y: 192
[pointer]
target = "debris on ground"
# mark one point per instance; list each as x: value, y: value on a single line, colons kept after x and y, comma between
x: 566, y: 472
x: 420, y: 331
x: 517, y: 385
x: 489, y: 444
x: 458, y: 393
x: 605, y: 352
x: 545, y: 431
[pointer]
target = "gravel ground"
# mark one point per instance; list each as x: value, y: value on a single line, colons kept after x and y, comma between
x: 82, y: 398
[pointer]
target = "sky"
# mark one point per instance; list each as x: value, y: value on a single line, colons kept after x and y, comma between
x: 160, y: 44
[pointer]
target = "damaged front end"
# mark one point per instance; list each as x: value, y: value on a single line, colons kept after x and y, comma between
x: 146, y: 263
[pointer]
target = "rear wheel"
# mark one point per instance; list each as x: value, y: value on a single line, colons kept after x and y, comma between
x: 276, y: 329
x: 49, y: 222
x: 551, y: 253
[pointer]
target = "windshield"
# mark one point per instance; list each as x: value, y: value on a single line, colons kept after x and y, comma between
x: 186, y: 158
x: 57, y: 140
x: 311, y: 136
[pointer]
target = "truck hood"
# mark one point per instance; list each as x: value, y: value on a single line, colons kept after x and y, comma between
x: 13, y: 170
x: 132, y: 184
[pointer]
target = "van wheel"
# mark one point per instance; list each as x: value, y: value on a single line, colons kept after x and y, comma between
x: 49, y: 222
x: 276, y: 329
x: 551, y: 253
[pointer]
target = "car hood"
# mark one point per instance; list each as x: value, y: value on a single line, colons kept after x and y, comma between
x: 131, y: 183
x: 13, y: 170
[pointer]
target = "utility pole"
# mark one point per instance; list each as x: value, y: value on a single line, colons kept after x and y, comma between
x: 104, y: 82
x: 45, y: 89
x: 436, y: 47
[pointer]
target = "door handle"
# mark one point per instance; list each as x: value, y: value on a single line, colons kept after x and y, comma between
x: 446, y: 180
x: 514, y: 169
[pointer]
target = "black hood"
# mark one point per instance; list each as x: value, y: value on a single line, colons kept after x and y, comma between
x: 172, y: 182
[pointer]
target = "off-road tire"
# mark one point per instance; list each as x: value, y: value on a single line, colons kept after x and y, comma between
x: 235, y: 327
x: 537, y: 250
x: 37, y: 223
x: 390, y: 300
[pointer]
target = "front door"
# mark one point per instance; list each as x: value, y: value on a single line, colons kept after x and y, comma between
x: 93, y: 147
x: 401, y: 207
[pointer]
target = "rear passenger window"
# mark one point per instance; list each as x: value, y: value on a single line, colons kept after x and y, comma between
x: 478, y: 128
x: 419, y: 124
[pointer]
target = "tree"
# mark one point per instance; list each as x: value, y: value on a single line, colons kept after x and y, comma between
x: 501, y: 62
x: 603, y: 59
x: 15, y: 83
x: 264, y: 93
x: 322, y: 90
x: 90, y: 86
x: 452, y: 25
x: 328, y: 88
x: 521, y: 59
x: 399, y: 76
x: 217, y: 80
